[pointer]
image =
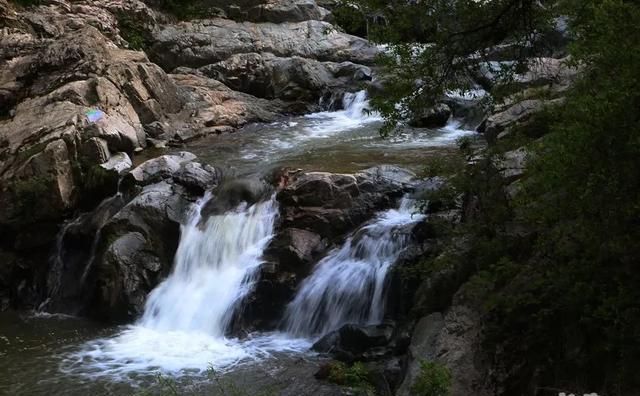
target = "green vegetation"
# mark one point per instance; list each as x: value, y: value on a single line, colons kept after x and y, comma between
x: 433, y: 380
x: 355, y: 376
x: 134, y: 33
x: 556, y: 266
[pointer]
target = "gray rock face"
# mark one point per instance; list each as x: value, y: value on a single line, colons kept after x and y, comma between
x: 201, y: 43
x: 157, y: 169
x: 136, y: 250
x: 502, y: 123
x: 453, y: 341
x: 293, y: 78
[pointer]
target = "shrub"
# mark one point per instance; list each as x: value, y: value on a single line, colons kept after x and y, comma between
x: 434, y: 380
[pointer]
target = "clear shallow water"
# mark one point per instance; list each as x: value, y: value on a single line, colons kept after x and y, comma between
x: 341, y: 141
x: 181, y: 333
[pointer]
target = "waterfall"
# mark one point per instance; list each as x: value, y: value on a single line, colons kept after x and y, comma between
x: 354, y: 104
x: 215, y: 267
x: 347, y: 286
x: 185, y: 318
x: 353, y: 115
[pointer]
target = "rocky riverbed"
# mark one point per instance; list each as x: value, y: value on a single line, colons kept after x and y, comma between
x: 184, y: 194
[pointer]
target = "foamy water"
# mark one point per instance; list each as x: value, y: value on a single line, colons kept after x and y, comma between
x: 348, y: 286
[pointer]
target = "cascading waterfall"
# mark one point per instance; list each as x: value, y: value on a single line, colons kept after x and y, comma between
x: 353, y: 115
x: 348, y: 285
x: 354, y: 104
x: 215, y: 268
x: 185, y: 318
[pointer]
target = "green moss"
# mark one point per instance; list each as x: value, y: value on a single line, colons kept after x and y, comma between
x: 434, y: 380
x: 134, y: 32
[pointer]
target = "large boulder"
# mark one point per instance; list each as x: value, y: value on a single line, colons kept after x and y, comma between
x: 200, y: 43
x: 51, y: 89
x: 288, y: 78
x: 109, y: 259
x: 215, y: 108
x: 434, y: 117
x: 454, y: 341
x: 317, y: 211
x: 513, y: 115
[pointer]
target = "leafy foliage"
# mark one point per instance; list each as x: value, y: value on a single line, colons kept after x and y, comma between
x: 556, y: 268
x: 433, y: 380
x: 439, y: 46
x: 355, y: 376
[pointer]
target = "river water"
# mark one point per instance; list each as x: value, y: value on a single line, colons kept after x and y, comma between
x: 181, y: 336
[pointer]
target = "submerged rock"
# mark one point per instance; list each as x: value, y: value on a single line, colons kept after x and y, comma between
x: 354, y: 342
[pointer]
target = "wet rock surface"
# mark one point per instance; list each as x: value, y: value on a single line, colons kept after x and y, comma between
x: 317, y: 211
x: 77, y: 104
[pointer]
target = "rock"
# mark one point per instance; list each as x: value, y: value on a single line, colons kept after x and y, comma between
x: 452, y: 340
x: 423, y: 347
x: 288, y: 78
x: 119, y: 163
x: 231, y: 193
x: 156, y: 130
x: 296, y: 250
x: 215, y: 107
x: 53, y: 83
x: 435, y: 117
x: 199, y: 43
x: 512, y: 164
x: 317, y: 209
x: 331, y: 204
x: 548, y: 72
x: 197, y: 177
x: 515, y: 115
x: 280, y: 11
x: 136, y: 251
x: 96, y: 150
x: 351, y: 342
x: 159, y: 168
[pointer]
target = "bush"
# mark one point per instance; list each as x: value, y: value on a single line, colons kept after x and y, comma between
x: 434, y: 380
x: 356, y: 376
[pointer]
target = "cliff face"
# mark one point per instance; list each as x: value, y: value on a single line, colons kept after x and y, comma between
x: 77, y: 103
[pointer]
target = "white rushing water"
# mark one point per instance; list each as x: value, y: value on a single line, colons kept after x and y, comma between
x: 215, y: 268
x: 185, y: 317
x: 347, y: 286
x: 355, y: 113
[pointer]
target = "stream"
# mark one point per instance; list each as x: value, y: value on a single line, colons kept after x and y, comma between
x: 180, y: 339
